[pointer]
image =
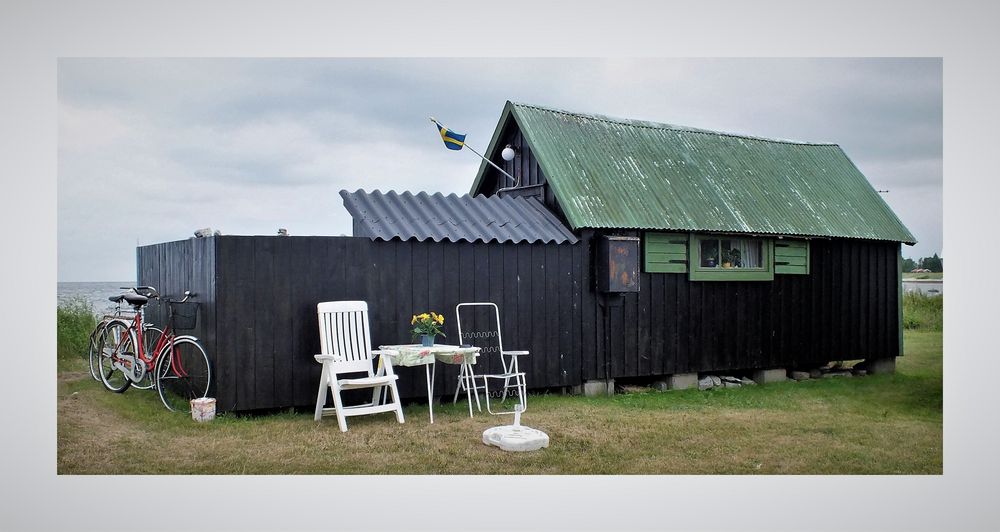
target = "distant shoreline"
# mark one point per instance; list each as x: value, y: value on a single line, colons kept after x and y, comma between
x: 94, y: 293
x: 122, y: 283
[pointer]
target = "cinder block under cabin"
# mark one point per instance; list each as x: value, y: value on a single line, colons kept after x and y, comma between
x: 767, y: 376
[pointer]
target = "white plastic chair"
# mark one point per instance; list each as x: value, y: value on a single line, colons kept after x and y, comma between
x: 467, y: 378
x: 345, y: 343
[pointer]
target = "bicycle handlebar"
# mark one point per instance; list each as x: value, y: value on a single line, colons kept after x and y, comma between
x: 187, y: 295
x: 152, y: 293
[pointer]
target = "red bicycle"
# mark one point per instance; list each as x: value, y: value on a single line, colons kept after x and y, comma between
x: 176, y: 364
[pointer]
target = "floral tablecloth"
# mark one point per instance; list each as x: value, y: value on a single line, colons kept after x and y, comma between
x: 418, y: 355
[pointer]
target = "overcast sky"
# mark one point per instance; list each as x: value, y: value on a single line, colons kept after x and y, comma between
x: 152, y: 149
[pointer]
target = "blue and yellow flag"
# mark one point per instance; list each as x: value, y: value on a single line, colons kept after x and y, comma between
x: 452, y: 140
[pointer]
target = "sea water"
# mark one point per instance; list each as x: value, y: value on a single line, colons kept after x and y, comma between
x: 94, y: 293
x: 932, y: 287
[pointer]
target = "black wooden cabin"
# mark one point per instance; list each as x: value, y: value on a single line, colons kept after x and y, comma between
x: 607, y: 257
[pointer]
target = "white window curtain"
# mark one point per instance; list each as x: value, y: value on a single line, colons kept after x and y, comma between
x: 750, y: 253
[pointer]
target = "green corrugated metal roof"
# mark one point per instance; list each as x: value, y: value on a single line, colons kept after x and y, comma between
x: 617, y: 173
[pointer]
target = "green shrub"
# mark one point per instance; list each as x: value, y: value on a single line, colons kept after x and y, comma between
x: 910, y: 322
x: 74, y: 322
x: 923, y: 312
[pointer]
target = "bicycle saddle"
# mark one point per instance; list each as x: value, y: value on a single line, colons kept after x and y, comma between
x: 135, y: 300
x: 146, y: 291
x: 116, y: 299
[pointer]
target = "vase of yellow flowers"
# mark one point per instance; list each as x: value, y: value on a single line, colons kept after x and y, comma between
x: 427, y: 325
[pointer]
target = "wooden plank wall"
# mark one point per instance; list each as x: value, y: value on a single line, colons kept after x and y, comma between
x: 264, y: 330
x: 173, y: 267
x: 258, y: 300
x: 524, y: 166
x: 845, y: 309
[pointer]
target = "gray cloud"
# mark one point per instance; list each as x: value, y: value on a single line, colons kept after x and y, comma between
x: 247, y: 145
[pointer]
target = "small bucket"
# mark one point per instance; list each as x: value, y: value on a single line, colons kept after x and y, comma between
x: 203, y: 409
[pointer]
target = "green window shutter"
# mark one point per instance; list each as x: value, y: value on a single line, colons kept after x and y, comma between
x: 791, y: 256
x: 666, y: 253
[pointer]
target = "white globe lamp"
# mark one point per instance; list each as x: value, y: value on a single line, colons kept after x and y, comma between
x: 508, y: 153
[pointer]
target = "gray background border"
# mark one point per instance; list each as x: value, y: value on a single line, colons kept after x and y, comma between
x: 34, y: 34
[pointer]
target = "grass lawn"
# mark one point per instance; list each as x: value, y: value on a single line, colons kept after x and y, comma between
x: 885, y: 424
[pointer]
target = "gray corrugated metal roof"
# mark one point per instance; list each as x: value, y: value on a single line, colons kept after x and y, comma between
x: 612, y: 172
x: 438, y: 217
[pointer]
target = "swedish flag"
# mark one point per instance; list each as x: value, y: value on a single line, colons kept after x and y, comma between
x: 452, y: 140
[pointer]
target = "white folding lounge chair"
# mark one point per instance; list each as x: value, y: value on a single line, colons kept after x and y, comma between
x: 489, y: 339
x: 346, y: 347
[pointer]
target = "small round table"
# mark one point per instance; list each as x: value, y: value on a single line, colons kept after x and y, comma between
x: 412, y: 355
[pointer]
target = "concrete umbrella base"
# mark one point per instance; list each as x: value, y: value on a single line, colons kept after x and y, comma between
x: 515, y: 437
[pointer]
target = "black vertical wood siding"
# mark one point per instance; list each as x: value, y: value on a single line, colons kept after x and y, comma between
x: 845, y: 309
x: 524, y: 167
x: 258, y: 296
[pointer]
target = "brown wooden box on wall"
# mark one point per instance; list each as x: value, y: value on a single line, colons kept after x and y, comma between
x: 618, y: 264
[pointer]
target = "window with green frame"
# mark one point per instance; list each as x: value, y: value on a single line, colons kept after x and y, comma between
x: 730, y: 258
x: 724, y: 257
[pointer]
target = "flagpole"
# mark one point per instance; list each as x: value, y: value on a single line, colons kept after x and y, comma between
x: 491, y: 162
x: 481, y: 156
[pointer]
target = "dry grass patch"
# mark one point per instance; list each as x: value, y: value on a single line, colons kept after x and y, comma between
x: 871, y: 425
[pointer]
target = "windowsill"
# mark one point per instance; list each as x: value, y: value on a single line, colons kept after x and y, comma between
x: 731, y: 274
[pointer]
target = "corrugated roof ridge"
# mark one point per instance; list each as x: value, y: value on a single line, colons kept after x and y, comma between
x: 531, y: 202
x: 672, y: 127
x: 438, y: 216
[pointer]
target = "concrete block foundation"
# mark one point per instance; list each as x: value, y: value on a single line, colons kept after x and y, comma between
x: 599, y: 387
x: 682, y: 381
x: 877, y: 366
x: 765, y: 376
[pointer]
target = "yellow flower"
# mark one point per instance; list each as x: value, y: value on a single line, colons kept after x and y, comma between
x: 424, y: 316
x: 414, y: 320
x: 440, y: 319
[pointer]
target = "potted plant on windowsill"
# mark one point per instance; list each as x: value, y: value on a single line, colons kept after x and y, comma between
x: 727, y: 258
x: 732, y: 258
x: 426, y: 326
x: 710, y: 260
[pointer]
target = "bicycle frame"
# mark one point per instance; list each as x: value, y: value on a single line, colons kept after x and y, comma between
x: 149, y: 358
x: 142, y: 365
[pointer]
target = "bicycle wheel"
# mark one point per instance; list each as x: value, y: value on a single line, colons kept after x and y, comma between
x: 92, y: 354
x: 150, y: 335
x: 182, y: 373
x: 115, y: 340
